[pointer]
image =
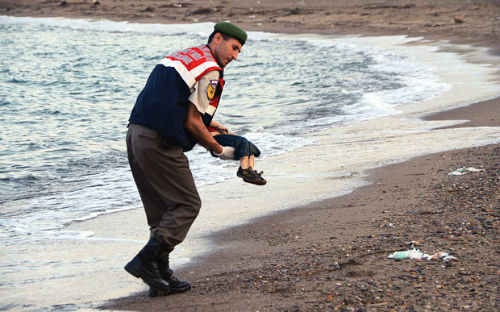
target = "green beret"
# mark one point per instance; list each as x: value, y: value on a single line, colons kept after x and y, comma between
x: 232, y: 31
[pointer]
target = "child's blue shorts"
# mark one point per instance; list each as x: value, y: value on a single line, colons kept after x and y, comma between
x: 242, y: 147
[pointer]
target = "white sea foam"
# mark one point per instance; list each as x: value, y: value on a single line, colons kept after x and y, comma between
x: 110, y: 26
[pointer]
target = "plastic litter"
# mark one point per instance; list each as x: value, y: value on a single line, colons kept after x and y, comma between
x: 417, y: 254
x: 408, y: 254
x: 463, y: 170
x: 440, y: 256
x: 336, y: 265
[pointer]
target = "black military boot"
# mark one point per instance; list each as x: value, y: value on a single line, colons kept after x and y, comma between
x: 145, y: 265
x: 176, y: 286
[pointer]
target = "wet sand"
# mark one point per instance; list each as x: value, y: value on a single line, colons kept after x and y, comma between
x: 285, y: 262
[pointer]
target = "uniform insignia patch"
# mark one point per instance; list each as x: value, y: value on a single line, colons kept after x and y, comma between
x: 212, y: 86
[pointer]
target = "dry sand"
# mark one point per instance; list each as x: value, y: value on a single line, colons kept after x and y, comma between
x: 470, y: 21
x: 285, y: 262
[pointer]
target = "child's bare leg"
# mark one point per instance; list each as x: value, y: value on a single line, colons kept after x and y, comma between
x: 244, y: 162
x: 247, y: 161
x: 251, y: 161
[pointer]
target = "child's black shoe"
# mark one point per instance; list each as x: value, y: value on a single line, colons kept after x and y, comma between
x: 251, y: 176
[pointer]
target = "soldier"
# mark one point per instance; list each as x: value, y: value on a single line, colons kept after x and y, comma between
x: 170, y: 116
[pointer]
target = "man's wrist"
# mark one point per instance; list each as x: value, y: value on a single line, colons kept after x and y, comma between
x: 218, y: 150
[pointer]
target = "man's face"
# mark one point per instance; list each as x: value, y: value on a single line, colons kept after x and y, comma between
x: 225, y: 50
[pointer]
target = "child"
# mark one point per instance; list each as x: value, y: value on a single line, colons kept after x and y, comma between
x: 244, y: 151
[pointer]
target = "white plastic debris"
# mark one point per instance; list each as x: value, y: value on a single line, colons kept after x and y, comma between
x: 463, y: 170
x: 336, y: 265
x: 440, y: 256
x: 407, y: 254
x: 417, y: 254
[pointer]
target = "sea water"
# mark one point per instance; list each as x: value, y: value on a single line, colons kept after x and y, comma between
x: 66, y: 91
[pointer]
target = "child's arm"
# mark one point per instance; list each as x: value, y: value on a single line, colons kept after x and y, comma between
x: 222, y: 129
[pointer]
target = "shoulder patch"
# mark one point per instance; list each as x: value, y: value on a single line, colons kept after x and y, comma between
x: 212, y: 86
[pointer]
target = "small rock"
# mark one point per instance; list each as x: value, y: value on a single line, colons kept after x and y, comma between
x: 200, y: 11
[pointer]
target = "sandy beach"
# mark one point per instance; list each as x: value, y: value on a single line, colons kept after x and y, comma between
x: 458, y: 20
x: 287, y: 261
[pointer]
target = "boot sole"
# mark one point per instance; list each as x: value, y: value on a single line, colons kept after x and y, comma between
x: 153, y: 292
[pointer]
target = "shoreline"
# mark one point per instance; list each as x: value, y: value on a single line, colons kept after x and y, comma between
x: 487, y: 115
x: 244, y: 270
x: 285, y: 261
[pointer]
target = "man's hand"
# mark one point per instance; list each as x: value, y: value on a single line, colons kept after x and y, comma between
x: 195, y: 125
x: 226, y: 154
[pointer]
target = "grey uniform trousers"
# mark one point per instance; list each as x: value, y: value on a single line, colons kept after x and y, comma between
x: 165, y: 184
